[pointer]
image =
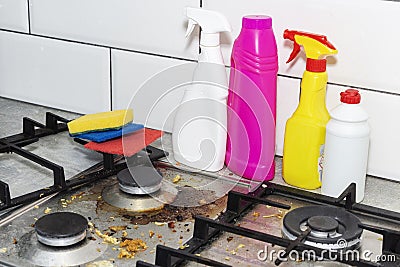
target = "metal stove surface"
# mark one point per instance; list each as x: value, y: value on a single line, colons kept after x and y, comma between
x: 17, y: 239
x: 237, y: 250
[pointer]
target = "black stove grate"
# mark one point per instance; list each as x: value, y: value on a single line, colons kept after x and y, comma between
x: 205, y: 229
x: 32, y: 131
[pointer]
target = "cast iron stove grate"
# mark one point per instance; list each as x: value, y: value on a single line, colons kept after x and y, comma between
x: 206, y: 230
x: 32, y: 131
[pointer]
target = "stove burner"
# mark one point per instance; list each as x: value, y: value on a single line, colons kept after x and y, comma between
x: 61, y: 229
x: 322, y: 226
x: 137, y: 204
x: 139, y: 180
x: 322, y: 223
x: 329, y: 227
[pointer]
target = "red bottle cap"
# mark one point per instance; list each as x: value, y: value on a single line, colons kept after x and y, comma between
x: 350, y: 96
x: 316, y: 65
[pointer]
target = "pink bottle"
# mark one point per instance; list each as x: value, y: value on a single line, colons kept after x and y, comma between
x: 252, y: 101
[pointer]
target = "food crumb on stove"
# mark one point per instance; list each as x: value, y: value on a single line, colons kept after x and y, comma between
x: 124, y: 233
x: 98, y: 250
x: 151, y: 233
x: 3, y: 250
x: 117, y: 228
x: 103, y: 263
x: 159, y: 236
x: 47, y: 210
x: 380, y: 239
x: 229, y: 238
x: 106, y: 238
x: 268, y: 206
x: 183, y: 246
x: 197, y: 254
x: 227, y: 258
x: 112, y: 218
x: 202, y: 201
x: 178, y: 164
x: 176, y: 179
x: 171, y: 225
x: 42, y: 194
x: 271, y: 216
x: 35, y: 219
x: 256, y: 214
x: 14, y: 241
x: 135, y: 226
x: 152, y: 251
x: 180, y: 241
x: 159, y: 223
x: 233, y: 252
x: 36, y: 206
x: 99, y: 197
x: 131, y: 247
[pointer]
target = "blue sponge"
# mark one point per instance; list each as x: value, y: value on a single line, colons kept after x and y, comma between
x: 102, y: 136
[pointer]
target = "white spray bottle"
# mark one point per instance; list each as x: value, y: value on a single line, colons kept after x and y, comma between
x: 199, y: 132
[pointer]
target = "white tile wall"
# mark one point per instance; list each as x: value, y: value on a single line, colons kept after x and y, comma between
x: 14, y: 15
x: 149, y: 85
x: 53, y: 73
x: 383, y: 111
x: 154, y: 26
x: 364, y: 32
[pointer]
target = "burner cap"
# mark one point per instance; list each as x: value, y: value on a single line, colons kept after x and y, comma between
x: 61, y: 228
x: 322, y: 223
x: 139, y: 180
x: 322, y: 219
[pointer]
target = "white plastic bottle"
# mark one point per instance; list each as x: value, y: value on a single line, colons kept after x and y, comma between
x: 346, y: 147
x: 199, y: 131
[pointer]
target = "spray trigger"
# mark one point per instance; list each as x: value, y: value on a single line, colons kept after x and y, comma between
x: 295, y: 52
x: 190, y: 28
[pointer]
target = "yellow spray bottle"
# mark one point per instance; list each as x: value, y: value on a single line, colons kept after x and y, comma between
x: 305, y: 130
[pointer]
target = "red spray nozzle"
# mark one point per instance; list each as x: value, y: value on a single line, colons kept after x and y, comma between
x: 323, y: 40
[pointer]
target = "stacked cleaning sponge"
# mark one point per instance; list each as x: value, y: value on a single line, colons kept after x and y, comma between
x: 106, y: 129
x: 104, y: 126
x: 110, y: 120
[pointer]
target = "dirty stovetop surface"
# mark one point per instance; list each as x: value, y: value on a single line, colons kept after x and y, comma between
x: 206, y: 194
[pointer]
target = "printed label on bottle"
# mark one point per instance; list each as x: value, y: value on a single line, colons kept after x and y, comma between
x: 321, y: 161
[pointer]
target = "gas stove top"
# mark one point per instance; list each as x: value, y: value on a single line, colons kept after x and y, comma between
x: 109, y: 215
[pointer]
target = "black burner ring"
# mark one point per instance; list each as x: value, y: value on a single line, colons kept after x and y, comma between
x: 61, y: 225
x: 139, y: 176
x: 348, y: 228
x: 322, y: 223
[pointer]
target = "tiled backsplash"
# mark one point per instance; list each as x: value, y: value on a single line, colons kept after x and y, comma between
x: 92, y: 55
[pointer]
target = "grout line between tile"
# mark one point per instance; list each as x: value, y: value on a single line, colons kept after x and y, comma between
x: 345, y: 85
x: 96, y: 45
x: 29, y: 16
x: 111, y: 80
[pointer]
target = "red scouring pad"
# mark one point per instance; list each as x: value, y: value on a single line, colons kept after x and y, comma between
x: 127, y: 145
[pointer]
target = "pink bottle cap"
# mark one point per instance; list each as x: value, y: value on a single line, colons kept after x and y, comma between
x: 258, y: 22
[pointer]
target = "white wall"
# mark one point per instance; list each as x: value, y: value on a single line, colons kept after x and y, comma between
x: 91, y: 55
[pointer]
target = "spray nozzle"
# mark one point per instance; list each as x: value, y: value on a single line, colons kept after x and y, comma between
x: 315, y: 45
x: 211, y: 23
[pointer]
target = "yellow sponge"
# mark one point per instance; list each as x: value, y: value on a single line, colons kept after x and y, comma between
x: 100, y: 121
